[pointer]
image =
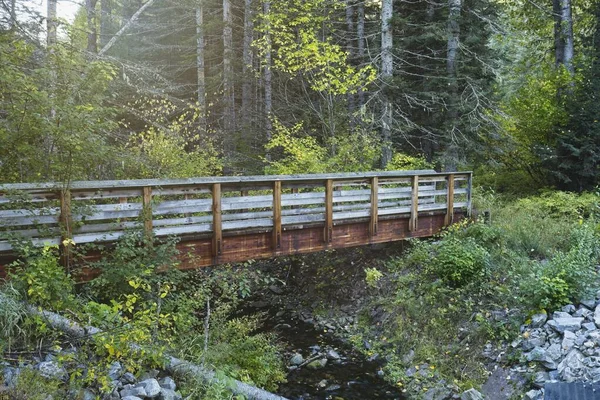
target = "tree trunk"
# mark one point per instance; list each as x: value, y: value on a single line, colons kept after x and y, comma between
x: 451, y: 147
x: 247, y: 58
x: 201, y: 84
x: 360, y: 32
x: 12, y: 23
x: 124, y: 28
x: 51, y: 23
x: 105, y: 21
x: 268, y: 103
x: 92, y: 34
x: 386, y: 76
x: 563, y: 34
x: 351, y: 97
x: 229, y: 114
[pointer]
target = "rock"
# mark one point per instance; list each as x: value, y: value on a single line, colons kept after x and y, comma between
x: 593, y: 375
x: 541, y: 355
x: 152, y: 374
x: 540, y: 378
x: 332, y: 354
x: 569, y: 308
x: 437, y: 393
x: 317, y: 364
x: 151, y: 386
x: 589, y: 326
x: 276, y: 289
x: 582, y: 312
x: 554, y: 351
x: 589, y: 303
x: 597, y: 315
x: 296, y: 359
x: 561, y: 314
x: 133, y: 391
x: 565, y: 324
x: 315, y: 349
x: 571, y: 367
x: 115, y: 370
x: 168, y: 394
x: 538, y: 320
x: 322, y: 384
x: 471, y: 394
x: 167, y: 383
x: 534, y: 395
x: 568, y: 342
x: 128, y: 377
x: 51, y: 370
x: 333, y: 388
x: 10, y: 376
x: 88, y: 395
x: 131, y: 398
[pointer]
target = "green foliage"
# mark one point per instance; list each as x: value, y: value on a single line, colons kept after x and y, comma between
x: 459, y: 261
x: 42, y: 280
x: 373, y: 275
x: 31, y: 386
x: 405, y: 162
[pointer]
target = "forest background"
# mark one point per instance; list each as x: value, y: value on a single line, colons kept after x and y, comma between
x: 134, y: 89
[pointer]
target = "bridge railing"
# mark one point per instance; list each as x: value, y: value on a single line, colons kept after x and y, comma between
x: 103, y: 211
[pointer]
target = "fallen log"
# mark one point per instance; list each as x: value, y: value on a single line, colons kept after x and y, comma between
x: 174, y: 365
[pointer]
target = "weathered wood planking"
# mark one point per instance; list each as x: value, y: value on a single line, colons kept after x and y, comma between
x: 316, y: 210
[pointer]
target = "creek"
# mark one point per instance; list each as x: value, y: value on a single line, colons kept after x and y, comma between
x: 351, y: 376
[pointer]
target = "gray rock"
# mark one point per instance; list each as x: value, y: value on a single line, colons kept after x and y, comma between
x: 317, y: 364
x: 296, y: 359
x: 571, y: 368
x: 589, y: 303
x: 51, y: 370
x: 115, y: 371
x: 554, y: 351
x: 597, y: 315
x: 333, y: 388
x: 151, y: 386
x: 408, y: 357
x: 131, y: 398
x: 322, y: 383
x: 554, y: 375
x: 128, y: 377
x: 88, y: 395
x: 471, y: 394
x: 592, y: 375
x: 589, y: 326
x: 168, y: 394
x: 11, y: 375
x: 130, y: 390
x: 534, y: 395
x: 538, y: 320
x: 540, y: 378
x: 168, y: 383
x: 561, y: 314
x: 332, y: 354
x: 568, y: 342
x: 569, y: 308
x: 541, y: 355
x: 437, y: 393
x: 579, y: 340
x: 582, y: 312
x: 565, y: 324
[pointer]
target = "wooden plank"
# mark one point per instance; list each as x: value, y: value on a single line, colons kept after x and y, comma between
x: 217, y: 239
x: 66, y: 229
x: 328, y: 233
x: 276, y: 215
x: 147, y: 210
x: 469, y: 196
x: 374, y: 204
x: 449, y: 200
x: 413, y: 223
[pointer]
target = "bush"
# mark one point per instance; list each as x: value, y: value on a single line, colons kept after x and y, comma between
x: 459, y: 261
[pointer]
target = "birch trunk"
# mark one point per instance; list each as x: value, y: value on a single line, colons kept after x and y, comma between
x: 105, y: 19
x: 360, y: 33
x: 563, y: 34
x: 268, y: 103
x: 247, y: 58
x: 51, y: 23
x: 229, y: 114
x: 386, y: 76
x: 201, y: 83
x: 451, y: 149
x: 351, y: 97
x: 124, y: 28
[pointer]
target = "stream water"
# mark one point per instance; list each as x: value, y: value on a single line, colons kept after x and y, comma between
x: 351, y: 376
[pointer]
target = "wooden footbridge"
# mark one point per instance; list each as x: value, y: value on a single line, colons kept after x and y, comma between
x: 233, y: 219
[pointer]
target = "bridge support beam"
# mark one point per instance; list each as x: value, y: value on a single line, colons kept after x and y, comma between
x: 276, y: 215
x: 217, y: 239
x: 374, y: 206
x: 328, y: 234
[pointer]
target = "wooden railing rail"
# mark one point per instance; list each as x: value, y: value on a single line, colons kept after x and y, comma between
x: 218, y: 207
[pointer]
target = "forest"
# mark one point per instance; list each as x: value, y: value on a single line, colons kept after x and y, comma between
x: 134, y: 89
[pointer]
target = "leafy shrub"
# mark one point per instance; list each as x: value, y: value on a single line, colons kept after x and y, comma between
x: 459, y: 261
x: 42, y: 280
x: 373, y: 275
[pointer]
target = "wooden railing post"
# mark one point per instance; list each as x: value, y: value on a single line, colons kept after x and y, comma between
x: 66, y: 229
x: 276, y: 215
x: 413, y: 223
x: 147, y: 210
x: 374, y: 206
x: 217, y: 224
x: 449, y: 200
x: 469, y: 195
x: 328, y: 232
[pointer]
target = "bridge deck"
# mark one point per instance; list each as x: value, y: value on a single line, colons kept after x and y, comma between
x: 231, y: 219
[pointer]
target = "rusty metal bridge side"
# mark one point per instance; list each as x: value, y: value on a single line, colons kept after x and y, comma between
x: 234, y: 219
